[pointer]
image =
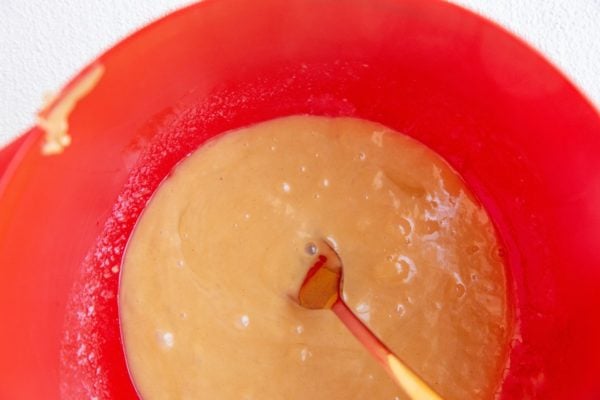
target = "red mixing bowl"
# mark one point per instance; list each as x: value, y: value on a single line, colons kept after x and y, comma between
x: 524, y: 139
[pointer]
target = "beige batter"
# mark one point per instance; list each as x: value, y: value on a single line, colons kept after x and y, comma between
x: 53, y: 119
x: 212, y: 271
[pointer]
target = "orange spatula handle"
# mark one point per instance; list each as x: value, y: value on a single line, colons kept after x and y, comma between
x: 407, y: 379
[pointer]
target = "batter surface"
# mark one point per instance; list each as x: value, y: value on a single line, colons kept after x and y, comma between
x: 211, y: 273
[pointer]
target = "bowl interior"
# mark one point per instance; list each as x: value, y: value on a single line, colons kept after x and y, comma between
x: 523, y: 138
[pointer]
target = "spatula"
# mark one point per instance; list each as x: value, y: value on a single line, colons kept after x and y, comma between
x: 322, y: 289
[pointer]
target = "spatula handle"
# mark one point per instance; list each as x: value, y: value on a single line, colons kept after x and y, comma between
x: 406, y: 378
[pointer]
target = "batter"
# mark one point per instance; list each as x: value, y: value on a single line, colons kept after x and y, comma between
x: 212, y: 271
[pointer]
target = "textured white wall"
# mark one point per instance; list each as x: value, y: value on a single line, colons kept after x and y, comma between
x: 44, y: 42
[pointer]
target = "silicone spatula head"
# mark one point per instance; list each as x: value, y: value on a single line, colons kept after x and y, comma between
x: 322, y: 285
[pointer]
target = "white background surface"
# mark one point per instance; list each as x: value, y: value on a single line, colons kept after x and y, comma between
x: 44, y: 42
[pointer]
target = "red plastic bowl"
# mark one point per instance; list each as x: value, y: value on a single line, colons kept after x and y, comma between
x: 523, y: 138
